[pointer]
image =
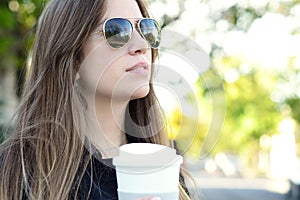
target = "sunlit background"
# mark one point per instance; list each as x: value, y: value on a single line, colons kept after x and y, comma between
x: 254, y: 48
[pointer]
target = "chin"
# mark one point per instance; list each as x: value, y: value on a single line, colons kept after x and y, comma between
x: 140, y: 93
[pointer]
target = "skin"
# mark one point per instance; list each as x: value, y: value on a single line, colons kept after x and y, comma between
x: 104, y: 74
x: 150, y: 198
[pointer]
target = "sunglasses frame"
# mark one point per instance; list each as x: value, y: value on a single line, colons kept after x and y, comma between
x: 134, y: 25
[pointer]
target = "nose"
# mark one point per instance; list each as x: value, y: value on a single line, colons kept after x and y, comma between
x: 138, y: 44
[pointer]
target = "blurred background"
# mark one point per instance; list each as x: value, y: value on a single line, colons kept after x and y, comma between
x: 254, y: 49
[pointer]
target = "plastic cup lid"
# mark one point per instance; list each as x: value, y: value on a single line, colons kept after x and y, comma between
x: 146, y: 155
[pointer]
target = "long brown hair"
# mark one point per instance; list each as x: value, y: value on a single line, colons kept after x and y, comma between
x: 41, y: 158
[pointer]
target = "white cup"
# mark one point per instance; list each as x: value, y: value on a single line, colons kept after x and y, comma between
x: 145, y: 169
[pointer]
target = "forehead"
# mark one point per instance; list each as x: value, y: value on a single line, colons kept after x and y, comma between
x: 122, y: 8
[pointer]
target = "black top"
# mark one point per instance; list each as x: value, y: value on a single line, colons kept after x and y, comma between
x: 100, y: 180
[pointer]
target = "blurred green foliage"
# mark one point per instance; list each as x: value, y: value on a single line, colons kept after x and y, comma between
x: 294, y: 104
x: 255, y: 104
x: 16, y: 20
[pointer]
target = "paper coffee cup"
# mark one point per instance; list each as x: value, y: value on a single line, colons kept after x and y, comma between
x: 145, y: 169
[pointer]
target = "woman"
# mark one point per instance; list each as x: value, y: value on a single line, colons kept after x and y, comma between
x: 88, y: 92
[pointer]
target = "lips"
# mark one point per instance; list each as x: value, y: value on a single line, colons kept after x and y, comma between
x: 139, y: 68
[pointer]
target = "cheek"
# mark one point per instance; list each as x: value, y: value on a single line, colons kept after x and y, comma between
x: 95, y: 66
x: 87, y: 49
x: 108, y: 81
x: 118, y: 84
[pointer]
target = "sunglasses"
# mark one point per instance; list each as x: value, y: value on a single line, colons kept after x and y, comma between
x: 118, y: 31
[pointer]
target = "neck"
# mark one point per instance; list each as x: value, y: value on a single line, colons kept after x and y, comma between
x: 110, y: 122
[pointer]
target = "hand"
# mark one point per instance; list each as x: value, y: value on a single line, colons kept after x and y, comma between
x: 149, y: 198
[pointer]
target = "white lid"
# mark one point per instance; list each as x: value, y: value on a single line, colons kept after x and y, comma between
x: 146, y: 155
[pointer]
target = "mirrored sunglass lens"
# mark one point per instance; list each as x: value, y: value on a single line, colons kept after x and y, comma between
x: 117, y: 32
x: 151, y: 31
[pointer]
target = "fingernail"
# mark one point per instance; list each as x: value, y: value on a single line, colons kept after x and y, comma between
x: 155, y: 198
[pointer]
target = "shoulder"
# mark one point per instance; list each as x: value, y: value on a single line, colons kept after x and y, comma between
x: 98, y: 181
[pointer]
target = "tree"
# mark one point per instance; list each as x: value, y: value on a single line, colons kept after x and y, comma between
x: 16, y: 20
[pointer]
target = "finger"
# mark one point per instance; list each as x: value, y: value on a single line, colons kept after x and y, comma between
x: 150, y: 198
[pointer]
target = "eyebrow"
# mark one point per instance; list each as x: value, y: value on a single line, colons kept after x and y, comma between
x: 104, y: 19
